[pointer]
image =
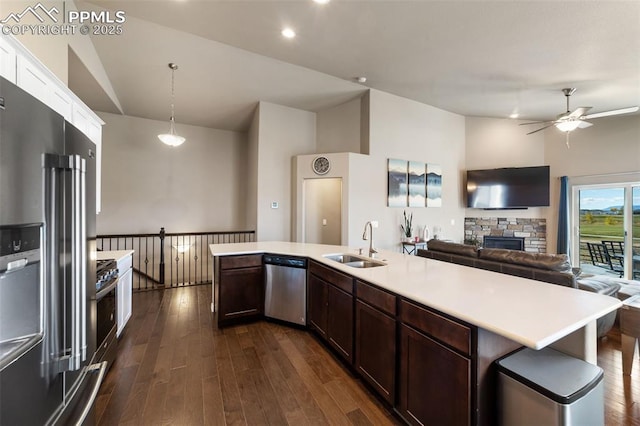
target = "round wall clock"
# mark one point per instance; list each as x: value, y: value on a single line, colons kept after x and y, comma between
x: 321, y: 165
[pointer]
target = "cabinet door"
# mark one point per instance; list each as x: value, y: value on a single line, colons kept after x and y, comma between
x: 434, y: 381
x: 125, y: 284
x: 241, y: 293
x: 317, y: 304
x: 376, y: 349
x: 340, y: 321
x: 33, y: 80
x: 7, y: 60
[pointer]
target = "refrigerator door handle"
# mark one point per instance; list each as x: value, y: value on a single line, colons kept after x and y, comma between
x: 77, y: 408
x: 78, y: 167
x: 54, y: 355
x: 71, y: 358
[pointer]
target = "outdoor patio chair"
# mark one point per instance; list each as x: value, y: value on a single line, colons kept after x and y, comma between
x: 600, y: 258
x: 615, y: 251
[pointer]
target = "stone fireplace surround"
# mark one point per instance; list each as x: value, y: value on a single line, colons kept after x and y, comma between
x: 534, y: 231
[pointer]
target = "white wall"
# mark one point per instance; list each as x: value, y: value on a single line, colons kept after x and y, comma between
x: 283, y: 133
x: 404, y: 129
x: 251, y: 197
x: 494, y: 143
x: 199, y: 186
x: 338, y: 128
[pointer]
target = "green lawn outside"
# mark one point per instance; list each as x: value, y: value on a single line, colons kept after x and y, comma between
x: 606, y: 226
x: 601, y: 227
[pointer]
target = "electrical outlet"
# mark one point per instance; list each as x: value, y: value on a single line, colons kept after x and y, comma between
x: 374, y: 223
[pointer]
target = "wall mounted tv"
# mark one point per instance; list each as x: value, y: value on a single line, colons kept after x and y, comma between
x: 508, y: 188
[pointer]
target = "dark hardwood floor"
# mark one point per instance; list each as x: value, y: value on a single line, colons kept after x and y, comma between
x: 175, y: 367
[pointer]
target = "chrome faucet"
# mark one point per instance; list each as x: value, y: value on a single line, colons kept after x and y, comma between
x: 372, y: 251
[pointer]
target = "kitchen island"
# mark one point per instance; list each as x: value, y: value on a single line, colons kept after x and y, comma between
x: 461, y: 318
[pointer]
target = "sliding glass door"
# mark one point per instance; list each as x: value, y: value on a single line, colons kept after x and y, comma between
x: 606, y: 227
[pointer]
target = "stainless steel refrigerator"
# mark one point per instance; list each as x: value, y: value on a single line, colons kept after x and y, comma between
x: 47, y: 266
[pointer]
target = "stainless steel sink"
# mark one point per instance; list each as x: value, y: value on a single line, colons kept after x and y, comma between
x: 343, y: 258
x: 365, y: 264
x: 354, y: 261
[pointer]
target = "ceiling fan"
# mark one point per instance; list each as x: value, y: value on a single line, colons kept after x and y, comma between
x: 572, y: 120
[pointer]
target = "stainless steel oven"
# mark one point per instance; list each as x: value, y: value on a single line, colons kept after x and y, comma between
x: 106, y: 296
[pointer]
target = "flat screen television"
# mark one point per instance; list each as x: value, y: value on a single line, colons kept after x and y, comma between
x: 508, y: 188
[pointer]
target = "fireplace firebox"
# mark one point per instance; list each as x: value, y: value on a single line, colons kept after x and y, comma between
x: 510, y: 243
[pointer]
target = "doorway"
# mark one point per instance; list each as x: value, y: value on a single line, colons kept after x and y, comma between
x: 608, y: 228
x: 322, y: 223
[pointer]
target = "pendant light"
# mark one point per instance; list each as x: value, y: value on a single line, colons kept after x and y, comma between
x: 171, y: 138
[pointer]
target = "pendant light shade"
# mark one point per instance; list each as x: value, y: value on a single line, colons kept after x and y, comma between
x: 171, y: 138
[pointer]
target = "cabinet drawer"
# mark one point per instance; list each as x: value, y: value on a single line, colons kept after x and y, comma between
x: 447, y: 331
x: 340, y: 280
x: 245, y: 261
x: 380, y: 299
x: 125, y: 264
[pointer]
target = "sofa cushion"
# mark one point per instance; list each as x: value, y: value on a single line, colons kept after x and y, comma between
x: 549, y: 262
x: 454, y: 248
x: 600, y: 286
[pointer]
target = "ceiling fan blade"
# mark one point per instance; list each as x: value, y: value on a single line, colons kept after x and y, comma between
x: 578, y: 112
x: 584, y: 124
x: 542, y: 128
x: 535, y: 122
x: 612, y: 112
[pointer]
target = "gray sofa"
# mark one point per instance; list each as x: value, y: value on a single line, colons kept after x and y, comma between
x: 549, y: 268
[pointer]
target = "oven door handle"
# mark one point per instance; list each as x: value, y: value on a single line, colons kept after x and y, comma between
x: 103, y: 292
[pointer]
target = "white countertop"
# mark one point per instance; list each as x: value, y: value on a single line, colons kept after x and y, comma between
x: 118, y: 255
x: 532, y: 313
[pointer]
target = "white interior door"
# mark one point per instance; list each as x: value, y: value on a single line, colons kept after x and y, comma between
x: 322, y: 211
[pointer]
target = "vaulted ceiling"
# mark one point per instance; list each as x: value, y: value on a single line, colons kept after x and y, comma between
x: 475, y: 58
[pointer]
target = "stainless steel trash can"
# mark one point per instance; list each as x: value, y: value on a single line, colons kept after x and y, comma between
x: 547, y: 387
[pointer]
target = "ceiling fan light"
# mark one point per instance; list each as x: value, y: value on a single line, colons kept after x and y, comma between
x: 568, y: 126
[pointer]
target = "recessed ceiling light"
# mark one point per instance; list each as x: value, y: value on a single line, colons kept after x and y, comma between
x: 361, y: 79
x: 322, y: 1
x: 288, y: 33
x: 514, y: 115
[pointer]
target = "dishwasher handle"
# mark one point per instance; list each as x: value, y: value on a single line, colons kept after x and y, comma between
x: 291, y: 262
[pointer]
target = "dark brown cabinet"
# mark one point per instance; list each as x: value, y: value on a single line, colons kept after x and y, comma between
x: 317, y: 305
x: 435, y: 382
x: 435, y: 386
x: 340, y: 321
x: 240, y: 289
x: 330, y: 308
x: 375, y: 338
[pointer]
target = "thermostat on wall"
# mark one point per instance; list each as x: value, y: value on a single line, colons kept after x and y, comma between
x: 321, y: 165
x: 274, y: 204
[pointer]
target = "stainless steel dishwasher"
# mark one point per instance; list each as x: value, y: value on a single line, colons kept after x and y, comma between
x: 286, y: 288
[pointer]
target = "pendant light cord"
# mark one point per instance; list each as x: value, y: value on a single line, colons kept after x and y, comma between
x: 173, y: 119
